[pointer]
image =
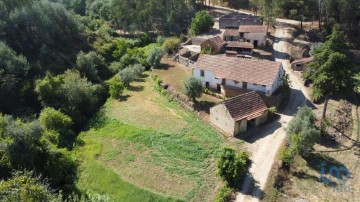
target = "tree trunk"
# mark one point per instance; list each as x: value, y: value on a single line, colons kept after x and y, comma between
x: 325, y: 106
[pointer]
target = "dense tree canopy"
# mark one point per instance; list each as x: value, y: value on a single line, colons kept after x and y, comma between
x: 331, y: 71
x: 71, y: 93
x: 171, y: 16
x: 201, y: 23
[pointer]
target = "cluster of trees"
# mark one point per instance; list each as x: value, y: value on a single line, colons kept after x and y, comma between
x: 30, y: 146
x: 171, y: 16
x: 331, y: 71
x: 302, y: 135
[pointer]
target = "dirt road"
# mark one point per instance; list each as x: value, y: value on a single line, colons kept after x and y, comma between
x: 267, y: 140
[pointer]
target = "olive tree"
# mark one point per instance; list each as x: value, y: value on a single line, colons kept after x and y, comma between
x: 193, y: 88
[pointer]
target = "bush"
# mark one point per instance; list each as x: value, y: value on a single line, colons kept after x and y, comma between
x: 225, y: 194
x: 127, y: 75
x: 138, y: 69
x: 154, y: 57
x: 92, y: 66
x: 193, y: 88
x: 116, y: 87
x: 24, y: 186
x: 201, y: 23
x: 115, y: 67
x: 232, y: 166
x: 170, y: 44
x: 272, y: 112
x: 56, y: 122
x: 160, y: 40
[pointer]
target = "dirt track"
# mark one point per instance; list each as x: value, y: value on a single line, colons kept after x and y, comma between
x: 267, y: 140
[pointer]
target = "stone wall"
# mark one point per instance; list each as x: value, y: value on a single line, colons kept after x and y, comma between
x: 220, y: 117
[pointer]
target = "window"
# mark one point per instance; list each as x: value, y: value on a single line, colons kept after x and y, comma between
x: 236, y: 82
x: 241, y: 34
x: 263, y: 85
x: 202, y: 73
x: 255, y: 84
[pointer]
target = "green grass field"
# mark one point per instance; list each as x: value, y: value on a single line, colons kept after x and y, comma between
x: 147, y: 148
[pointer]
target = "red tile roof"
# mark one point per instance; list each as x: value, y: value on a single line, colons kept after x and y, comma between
x: 231, y: 32
x: 252, y: 29
x: 239, y: 44
x: 262, y: 72
x: 217, y: 41
x: 246, y: 106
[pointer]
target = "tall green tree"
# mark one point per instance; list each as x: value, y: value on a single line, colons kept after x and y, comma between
x: 201, y: 23
x: 331, y: 71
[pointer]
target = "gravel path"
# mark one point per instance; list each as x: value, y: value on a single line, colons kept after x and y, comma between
x: 266, y: 143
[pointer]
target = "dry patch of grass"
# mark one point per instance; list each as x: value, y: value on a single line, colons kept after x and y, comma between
x: 305, y: 175
x: 147, y: 109
x: 173, y: 73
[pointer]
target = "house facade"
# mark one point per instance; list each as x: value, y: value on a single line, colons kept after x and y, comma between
x: 256, y: 35
x: 219, y: 73
x: 234, y: 20
x: 236, y: 115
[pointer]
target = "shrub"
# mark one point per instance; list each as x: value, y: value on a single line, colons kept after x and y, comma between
x: 193, y: 88
x: 225, y: 194
x: 127, y: 75
x: 24, y: 186
x: 170, y: 44
x: 56, y: 122
x: 116, y: 87
x: 155, y: 56
x: 115, y: 67
x: 138, y: 69
x: 232, y: 166
x: 92, y: 66
x: 272, y: 112
x: 201, y: 23
x: 160, y: 40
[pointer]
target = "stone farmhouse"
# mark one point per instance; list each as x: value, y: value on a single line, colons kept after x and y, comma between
x: 239, y: 113
x: 234, y: 20
x: 231, y: 75
x: 255, y: 34
x: 300, y: 64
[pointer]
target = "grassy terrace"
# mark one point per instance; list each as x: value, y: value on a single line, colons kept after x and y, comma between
x: 146, y: 148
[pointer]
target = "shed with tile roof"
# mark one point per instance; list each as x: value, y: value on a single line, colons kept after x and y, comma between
x: 239, y: 113
x: 216, y: 44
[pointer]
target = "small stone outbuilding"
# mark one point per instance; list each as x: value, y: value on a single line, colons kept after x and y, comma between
x: 217, y: 44
x: 300, y: 64
x: 239, y: 113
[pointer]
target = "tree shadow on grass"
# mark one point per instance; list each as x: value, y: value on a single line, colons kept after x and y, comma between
x: 123, y: 97
x: 204, y: 106
x: 323, y: 164
x: 136, y: 88
x: 163, y: 66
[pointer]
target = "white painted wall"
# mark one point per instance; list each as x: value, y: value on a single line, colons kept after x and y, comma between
x: 210, y: 77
